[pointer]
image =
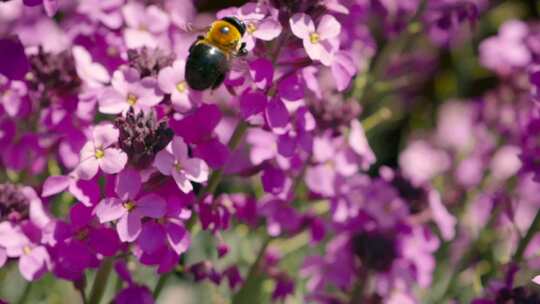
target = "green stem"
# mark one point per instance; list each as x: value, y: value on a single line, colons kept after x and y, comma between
x: 160, y: 284
x: 523, y: 242
x: 25, y: 293
x: 468, y: 256
x: 100, y: 282
x: 243, y: 295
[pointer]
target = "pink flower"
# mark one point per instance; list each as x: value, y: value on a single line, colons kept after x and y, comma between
x: 320, y: 43
x: 129, y: 90
x: 144, y: 23
x: 174, y: 160
x: 93, y: 74
x: 127, y: 208
x: 172, y: 81
x: 98, y: 153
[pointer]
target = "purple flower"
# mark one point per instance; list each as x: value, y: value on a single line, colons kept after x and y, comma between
x: 91, y: 73
x: 24, y: 243
x: 127, y: 208
x: 144, y: 23
x: 319, y: 43
x: 87, y: 192
x: 174, y: 160
x: 172, y: 81
x: 421, y: 162
x: 106, y: 12
x: 99, y: 153
x: 128, y: 90
x: 507, y: 51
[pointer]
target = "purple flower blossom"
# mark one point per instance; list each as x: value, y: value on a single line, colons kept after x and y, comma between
x: 98, y: 153
x: 319, y: 43
x: 129, y: 208
x: 128, y: 90
x: 174, y: 160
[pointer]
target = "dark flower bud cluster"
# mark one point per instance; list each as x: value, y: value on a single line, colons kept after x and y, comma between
x: 142, y: 136
x: 53, y: 72
x: 416, y: 197
x: 517, y: 295
x: 148, y: 62
x: 332, y: 113
x: 14, y: 205
x: 376, y: 250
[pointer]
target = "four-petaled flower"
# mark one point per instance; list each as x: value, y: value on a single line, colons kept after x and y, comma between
x: 320, y: 43
x: 127, y: 208
x: 174, y: 160
x: 99, y: 153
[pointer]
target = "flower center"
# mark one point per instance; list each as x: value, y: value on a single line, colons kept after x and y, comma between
x: 181, y: 87
x: 131, y: 99
x: 27, y: 250
x: 129, y: 205
x: 314, y: 38
x: 81, y: 235
x: 178, y: 166
x: 100, y: 153
x: 251, y: 27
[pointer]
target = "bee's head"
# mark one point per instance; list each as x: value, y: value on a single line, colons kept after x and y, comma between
x: 237, y: 23
x: 226, y: 33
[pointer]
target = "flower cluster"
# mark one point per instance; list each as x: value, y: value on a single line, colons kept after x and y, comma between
x: 110, y: 159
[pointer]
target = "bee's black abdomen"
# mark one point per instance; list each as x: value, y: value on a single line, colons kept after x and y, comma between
x: 206, y: 67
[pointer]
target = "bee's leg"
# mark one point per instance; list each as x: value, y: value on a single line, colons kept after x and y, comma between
x: 242, y: 51
x: 218, y: 82
x: 199, y: 38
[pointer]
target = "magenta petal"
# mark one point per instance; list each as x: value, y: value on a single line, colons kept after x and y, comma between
x: 32, y: 266
x: 168, y: 261
x: 129, y: 227
x: 104, y: 240
x: 114, y: 161
x: 128, y: 184
x: 87, y: 169
x: 110, y: 209
x: 273, y: 180
x: 276, y: 114
x: 80, y: 215
x: 214, y: 153
x: 86, y: 191
x: 291, y: 88
x: 178, y: 237
x: 14, y: 63
x: 252, y: 103
x: 199, y: 125
x: 152, y: 237
x: 151, y: 205
x: 55, y: 184
x: 262, y: 72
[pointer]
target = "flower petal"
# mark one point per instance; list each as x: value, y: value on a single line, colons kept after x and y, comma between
x: 87, y: 169
x: 55, y: 184
x: 302, y: 25
x: 129, y: 227
x: 268, y: 29
x: 195, y: 169
x: 179, y: 148
x: 164, y: 162
x: 110, y: 209
x: 105, y: 135
x: 128, y: 184
x: 113, y: 161
x: 152, y: 237
x: 151, y: 205
x: 181, y: 180
x: 328, y: 27
x: 178, y: 237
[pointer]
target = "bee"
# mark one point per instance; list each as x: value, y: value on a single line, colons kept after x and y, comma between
x: 210, y: 55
